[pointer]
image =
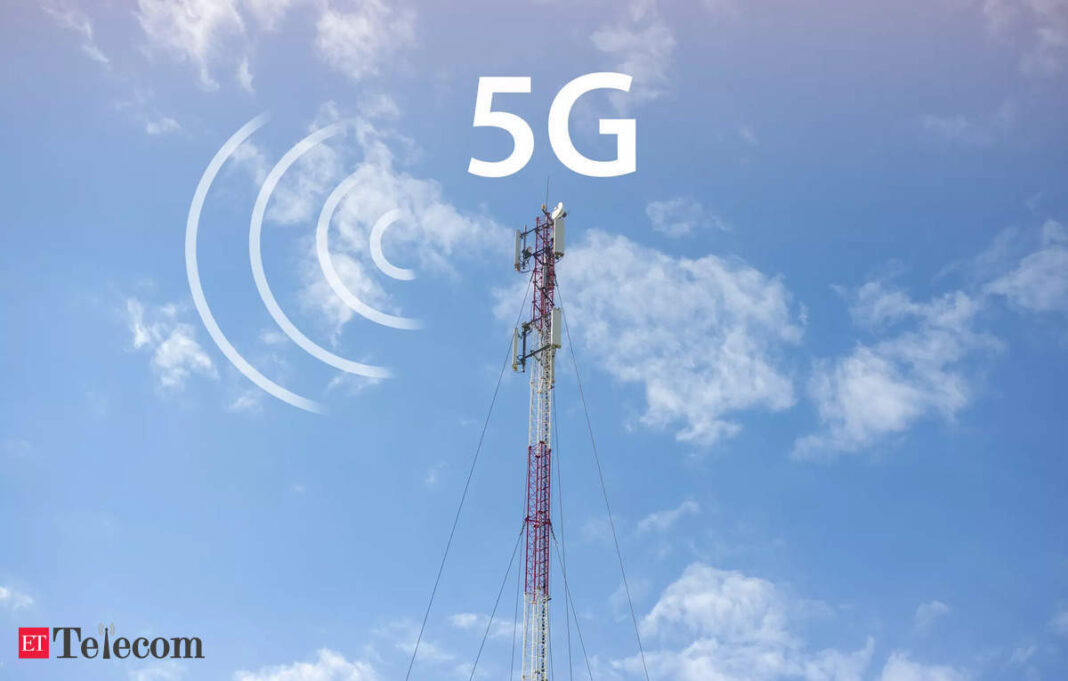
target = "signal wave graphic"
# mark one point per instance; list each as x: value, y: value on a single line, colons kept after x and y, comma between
x: 322, y: 248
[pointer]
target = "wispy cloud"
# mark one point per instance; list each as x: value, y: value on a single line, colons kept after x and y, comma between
x: 661, y: 521
x: 681, y: 216
x: 433, y: 474
x: 641, y: 44
x: 162, y: 126
x: 247, y: 401
x: 918, y: 364
x: 163, y: 671
x: 141, y: 109
x: 477, y: 622
x: 75, y: 20
x: 268, y: 13
x: 1039, y: 28
x: 359, y: 40
x: 971, y: 130
x: 900, y: 667
x: 705, y: 342
x: 175, y: 353
x: 928, y: 613
x: 13, y: 599
x: 328, y: 666
x: 195, y: 31
x: 430, y: 235
x: 1022, y: 654
x: 1039, y: 281
x: 244, y: 75
x: 882, y: 388
x: 402, y: 634
x: 726, y: 625
x: 1059, y: 623
x: 747, y: 134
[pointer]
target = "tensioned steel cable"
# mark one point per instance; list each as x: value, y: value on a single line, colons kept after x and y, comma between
x: 567, y: 594
x: 552, y: 669
x: 497, y: 602
x: 515, y: 609
x: 515, y: 623
x: 604, y: 488
x: 467, y: 486
x: 563, y: 542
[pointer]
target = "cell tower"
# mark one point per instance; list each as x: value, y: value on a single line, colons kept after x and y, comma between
x: 538, y: 339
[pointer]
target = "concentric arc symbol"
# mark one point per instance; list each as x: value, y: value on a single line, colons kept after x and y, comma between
x: 259, y: 275
x: 378, y: 256
x: 193, y: 273
x: 322, y: 249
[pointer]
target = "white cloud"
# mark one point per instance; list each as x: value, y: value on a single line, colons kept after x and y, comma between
x: 247, y: 401
x: 162, y: 126
x: 719, y: 625
x: 1038, y: 27
x: 681, y: 216
x: 379, y: 106
x: 14, y: 600
x: 900, y: 668
x: 971, y: 131
x: 719, y: 603
x: 140, y: 108
x: 722, y: 8
x: 244, y: 75
x: 301, y: 192
x: 268, y: 12
x: 1039, y: 282
x: 619, y: 601
x: 164, y: 671
x: 661, y: 521
x: 176, y: 355
x: 596, y: 530
x: 467, y: 620
x: 402, y: 634
x: 477, y: 622
x: 358, y: 41
x: 723, y: 625
x: 1021, y: 654
x: 73, y: 19
x: 191, y: 30
x: 748, y: 135
x: 1059, y: 623
x: 928, y: 613
x: 433, y: 474
x: 430, y: 235
x: 887, y: 386
x: 329, y: 666
x: 357, y: 38
x: 642, y: 45
x: 703, y: 337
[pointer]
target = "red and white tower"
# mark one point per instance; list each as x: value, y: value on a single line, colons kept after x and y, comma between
x: 538, y: 249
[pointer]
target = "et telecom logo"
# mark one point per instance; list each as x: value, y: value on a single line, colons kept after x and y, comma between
x: 34, y: 644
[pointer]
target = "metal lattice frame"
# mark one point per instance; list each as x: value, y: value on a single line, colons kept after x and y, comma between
x: 539, y: 458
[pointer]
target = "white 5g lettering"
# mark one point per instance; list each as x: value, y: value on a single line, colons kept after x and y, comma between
x: 623, y: 129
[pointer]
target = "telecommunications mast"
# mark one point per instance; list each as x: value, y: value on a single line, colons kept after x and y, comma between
x: 538, y: 249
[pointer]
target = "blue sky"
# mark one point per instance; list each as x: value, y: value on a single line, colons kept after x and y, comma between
x: 821, y: 330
